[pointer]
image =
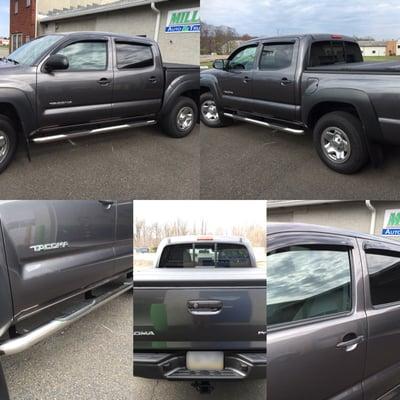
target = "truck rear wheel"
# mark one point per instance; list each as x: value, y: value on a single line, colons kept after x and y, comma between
x: 209, y: 114
x: 340, y: 142
x: 181, y: 120
x: 8, y: 142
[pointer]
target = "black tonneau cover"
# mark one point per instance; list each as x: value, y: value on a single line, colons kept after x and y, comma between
x: 384, y: 66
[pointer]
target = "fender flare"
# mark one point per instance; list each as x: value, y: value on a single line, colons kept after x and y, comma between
x: 210, y: 82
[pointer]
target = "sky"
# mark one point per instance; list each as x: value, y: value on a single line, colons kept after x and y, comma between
x: 376, y: 18
x: 4, y: 17
x: 222, y: 213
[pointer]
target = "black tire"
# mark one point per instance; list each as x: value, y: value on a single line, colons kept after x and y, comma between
x: 220, y: 121
x: 169, y: 122
x: 10, y: 136
x: 351, y: 126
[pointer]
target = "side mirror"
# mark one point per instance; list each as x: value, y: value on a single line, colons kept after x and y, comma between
x: 219, y: 64
x: 56, y: 62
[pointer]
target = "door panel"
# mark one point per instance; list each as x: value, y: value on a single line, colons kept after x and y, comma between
x: 124, y: 237
x: 138, y: 81
x: 316, y: 323
x: 80, y: 94
x: 273, y: 85
x: 79, y: 251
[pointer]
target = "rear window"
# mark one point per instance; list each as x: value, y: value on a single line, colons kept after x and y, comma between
x: 215, y: 255
x: 334, y: 52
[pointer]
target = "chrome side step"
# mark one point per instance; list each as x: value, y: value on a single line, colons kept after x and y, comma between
x: 74, y: 135
x: 265, y: 124
x: 21, y: 343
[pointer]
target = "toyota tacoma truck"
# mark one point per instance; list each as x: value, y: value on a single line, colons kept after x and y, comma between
x: 333, y: 314
x: 200, y: 314
x: 309, y: 83
x: 59, y: 260
x: 68, y: 85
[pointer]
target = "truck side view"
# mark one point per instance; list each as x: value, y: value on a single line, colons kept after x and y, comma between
x: 199, y: 315
x: 64, y: 86
x: 333, y: 314
x: 59, y: 260
x: 309, y: 83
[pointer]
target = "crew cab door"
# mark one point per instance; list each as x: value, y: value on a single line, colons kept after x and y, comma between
x: 382, y: 293
x: 235, y: 80
x: 124, y: 237
x: 82, y: 94
x: 56, y: 248
x: 273, y: 85
x: 316, y: 323
x: 138, y: 80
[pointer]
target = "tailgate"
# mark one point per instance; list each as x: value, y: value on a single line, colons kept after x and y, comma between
x: 200, y: 309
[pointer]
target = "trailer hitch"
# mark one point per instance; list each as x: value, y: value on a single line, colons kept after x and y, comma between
x: 203, y: 387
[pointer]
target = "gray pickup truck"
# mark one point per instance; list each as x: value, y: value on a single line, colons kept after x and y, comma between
x: 64, y: 86
x: 59, y: 260
x: 333, y: 314
x: 199, y: 315
x: 309, y: 83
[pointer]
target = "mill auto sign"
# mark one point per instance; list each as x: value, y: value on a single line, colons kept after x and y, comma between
x: 183, y: 21
x: 391, y: 223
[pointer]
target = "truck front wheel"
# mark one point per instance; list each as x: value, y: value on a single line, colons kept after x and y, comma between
x: 181, y: 120
x: 209, y: 114
x: 340, y: 142
x: 8, y: 142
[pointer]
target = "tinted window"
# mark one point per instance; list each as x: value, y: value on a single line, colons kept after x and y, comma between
x: 205, y: 255
x: 384, y: 278
x: 334, y: 52
x: 86, y: 55
x: 307, y: 282
x: 276, y: 56
x: 244, y: 59
x: 133, y: 56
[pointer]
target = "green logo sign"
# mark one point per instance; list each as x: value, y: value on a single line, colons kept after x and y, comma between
x: 187, y: 20
x: 394, y: 219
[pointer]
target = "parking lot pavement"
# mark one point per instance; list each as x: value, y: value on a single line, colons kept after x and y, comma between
x: 142, y: 163
x: 91, y: 360
x: 246, y: 161
x: 145, y: 389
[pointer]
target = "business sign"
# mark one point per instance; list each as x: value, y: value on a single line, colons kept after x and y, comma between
x: 391, y: 223
x: 183, y: 21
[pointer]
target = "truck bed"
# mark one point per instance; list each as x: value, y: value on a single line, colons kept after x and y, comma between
x: 367, y: 67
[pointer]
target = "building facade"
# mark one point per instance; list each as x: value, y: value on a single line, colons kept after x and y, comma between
x: 22, y: 22
x: 372, y: 48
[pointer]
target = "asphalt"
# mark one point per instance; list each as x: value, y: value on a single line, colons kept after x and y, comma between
x: 141, y: 163
x: 245, y: 161
x: 91, y: 360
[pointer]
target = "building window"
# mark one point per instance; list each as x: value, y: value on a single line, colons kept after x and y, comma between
x: 16, y: 7
x: 373, y: 52
x: 28, y: 3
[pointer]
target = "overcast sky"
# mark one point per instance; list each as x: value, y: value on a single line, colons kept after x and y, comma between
x: 377, y: 18
x: 4, y: 17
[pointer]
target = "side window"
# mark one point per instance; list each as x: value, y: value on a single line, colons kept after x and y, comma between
x: 276, y: 56
x: 86, y: 56
x: 130, y: 55
x: 384, y: 278
x: 244, y: 59
x: 306, y: 282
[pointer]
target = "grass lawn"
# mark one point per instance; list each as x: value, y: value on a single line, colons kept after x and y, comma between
x: 382, y: 58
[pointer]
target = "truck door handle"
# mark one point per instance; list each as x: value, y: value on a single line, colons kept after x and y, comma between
x: 204, y: 307
x: 350, y: 342
x: 246, y: 79
x: 153, y: 79
x: 286, y: 81
x: 104, y: 81
x: 107, y: 203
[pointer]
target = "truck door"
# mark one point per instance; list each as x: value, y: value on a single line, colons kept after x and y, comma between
x: 316, y: 323
x: 235, y: 81
x: 124, y: 237
x: 382, y: 287
x: 82, y: 93
x: 273, y: 85
x: 55, y: 248
x: 138, y: 80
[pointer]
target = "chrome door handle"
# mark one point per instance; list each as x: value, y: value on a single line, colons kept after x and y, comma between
x: 104, y: 81
x: 351, y: 344
x: 286, y: 81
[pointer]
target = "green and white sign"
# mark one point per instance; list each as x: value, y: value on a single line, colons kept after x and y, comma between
x: 183, y: 21
x: 391, y: 223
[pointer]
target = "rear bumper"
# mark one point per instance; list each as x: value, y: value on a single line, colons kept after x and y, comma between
x: 172, y: 366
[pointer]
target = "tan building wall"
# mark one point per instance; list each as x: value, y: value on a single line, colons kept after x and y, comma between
x: 44, y: 6
x: 391, y: 47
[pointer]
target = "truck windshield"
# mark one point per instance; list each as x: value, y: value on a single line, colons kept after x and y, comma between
x: 334, y: 52
x: 30, y: 52
x: 215, y: 255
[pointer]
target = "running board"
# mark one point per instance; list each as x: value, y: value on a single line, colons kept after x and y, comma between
x: 21, y: 343
x: 265, y: 124
x: 66, y: 136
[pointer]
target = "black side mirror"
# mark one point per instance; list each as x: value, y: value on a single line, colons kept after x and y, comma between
x: 219, y: 64
x: 56, y: 62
